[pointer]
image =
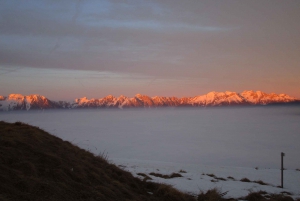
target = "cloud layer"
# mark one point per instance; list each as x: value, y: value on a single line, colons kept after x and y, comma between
x: 169, y: 39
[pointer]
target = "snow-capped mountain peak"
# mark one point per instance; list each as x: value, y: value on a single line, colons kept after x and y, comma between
x: 20, y: 102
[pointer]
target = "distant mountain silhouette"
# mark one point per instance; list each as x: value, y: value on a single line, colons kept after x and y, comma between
x: 20, y: 102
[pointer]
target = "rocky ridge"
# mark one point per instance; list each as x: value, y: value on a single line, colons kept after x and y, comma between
x: 20, y: 102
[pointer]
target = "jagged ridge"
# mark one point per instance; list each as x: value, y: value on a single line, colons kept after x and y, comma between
x: 20, y: 102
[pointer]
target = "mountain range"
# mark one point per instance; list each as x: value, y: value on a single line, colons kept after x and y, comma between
x: 21, y: 102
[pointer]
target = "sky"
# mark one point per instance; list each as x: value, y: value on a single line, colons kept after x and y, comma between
x: 69, y: 49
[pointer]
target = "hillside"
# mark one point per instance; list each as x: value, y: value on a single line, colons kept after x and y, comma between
x: 35, y: 165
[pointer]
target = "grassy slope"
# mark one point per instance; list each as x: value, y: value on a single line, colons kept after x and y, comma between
x: 35, y: 165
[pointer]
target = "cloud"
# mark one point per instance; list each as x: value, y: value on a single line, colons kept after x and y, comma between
x: 157, y: 38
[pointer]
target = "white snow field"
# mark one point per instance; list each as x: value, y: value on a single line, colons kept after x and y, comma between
x: 227, y: 142
x: 197, y: 178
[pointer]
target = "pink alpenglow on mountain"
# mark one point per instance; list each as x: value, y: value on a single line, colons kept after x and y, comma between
x: 20, y: 102
x: 262, y: 98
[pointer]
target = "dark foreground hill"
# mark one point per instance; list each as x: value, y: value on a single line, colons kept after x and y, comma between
x: 35, y: 165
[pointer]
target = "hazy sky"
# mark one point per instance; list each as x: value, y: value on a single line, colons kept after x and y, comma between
x: 68, y: 49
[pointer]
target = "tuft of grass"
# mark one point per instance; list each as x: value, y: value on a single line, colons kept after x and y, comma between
x: 18, y: 123
x: 168, y: 192
x: 254, y: 196
x: 210, y: 195
x: 146, y: 177
x: 215, y: 177
x: 245, y: 180
x: 103, y: 155
x: 182, y: 171
x: 230, y: 178
x: 173, y: 175
x: 280, y: 197
x: 264, y: 196
x: 220, y: 178
x: 261, y: 182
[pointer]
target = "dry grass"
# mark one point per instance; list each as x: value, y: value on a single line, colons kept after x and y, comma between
x: 164, y: 176
x: 35, y: 165
x: 146, y: 177
x: 264, y: 196
x: 281, y: 197
x: 255, y: 196
x: 211, y: 175
x: 230, y: 178
x: 216, y: 179
x: 257, y: 182
x: 210, y: 195
x: 220, y: 178
x: 260, y: 182
x: 245, y: 180
x: 168, y: 193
